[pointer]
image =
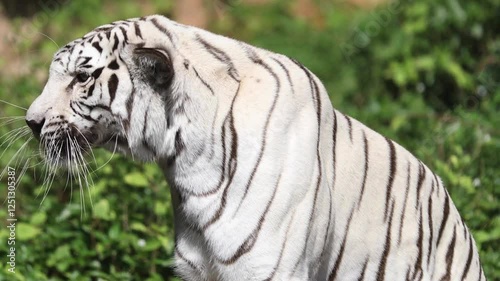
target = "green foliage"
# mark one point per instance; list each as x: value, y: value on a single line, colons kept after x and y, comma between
x: 424, y: 73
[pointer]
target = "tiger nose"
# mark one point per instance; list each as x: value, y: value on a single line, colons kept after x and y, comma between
x: 36, y: 126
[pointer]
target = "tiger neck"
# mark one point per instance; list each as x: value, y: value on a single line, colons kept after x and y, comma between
x: 194, y: 183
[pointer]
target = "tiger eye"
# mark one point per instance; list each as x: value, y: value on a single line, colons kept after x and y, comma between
x: 82, y: 77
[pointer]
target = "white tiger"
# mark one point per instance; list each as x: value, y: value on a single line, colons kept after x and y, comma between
x: 269, y: 181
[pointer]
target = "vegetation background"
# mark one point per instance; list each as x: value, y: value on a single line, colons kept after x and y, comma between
x: 424, y: 73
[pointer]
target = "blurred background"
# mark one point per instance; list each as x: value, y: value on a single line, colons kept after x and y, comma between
x: 424, y: 73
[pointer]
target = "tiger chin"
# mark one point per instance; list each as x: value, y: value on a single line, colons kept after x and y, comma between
x: 268, y: 181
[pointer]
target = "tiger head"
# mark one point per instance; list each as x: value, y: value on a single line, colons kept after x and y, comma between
x: 115, y: 88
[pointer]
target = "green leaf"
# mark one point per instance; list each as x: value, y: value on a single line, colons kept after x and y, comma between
x: 161, y: 208
x: 166, y: 243
x: 26, y: 231
x: 103, y: 211
x: 139, y: 227
x: 136, y: 179
x: 38, y: 218
x: 61, y: 258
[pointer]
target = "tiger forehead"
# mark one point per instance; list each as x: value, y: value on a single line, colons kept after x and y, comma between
x: 87, y: 51
x: 110, y: 38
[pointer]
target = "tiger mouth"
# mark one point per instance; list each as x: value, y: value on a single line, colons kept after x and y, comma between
x: 67, y: 147
x: 65, y: 151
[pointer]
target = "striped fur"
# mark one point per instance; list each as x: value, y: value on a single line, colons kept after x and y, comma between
x: 269, y: 181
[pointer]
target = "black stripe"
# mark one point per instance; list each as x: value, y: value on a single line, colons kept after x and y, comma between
x: 334, y: 146
x: 250, y: 241
x: 469, y: 260
x: 124, y: 32
x: 220, y: 56
x: 363, y: 271
x: 258, y: 61
x: 90, y: 91
x: 365, y: 173
x: 338, y: 261
x: 129, y: 106
x: 85, y: 60
x: 449, y: 256
x: 446, y: 213
x: 55, y: 124
x: 97, y: 73
x: 204, y: 82
x: 287, y: 74
x: 97, y: 46
x: 162, y: 29
x: 223, y: 163
x: 113, y: 65
x: 112, y: 86
x: 407, y: 191
x: 431, y: 228
x: 481, y: 273
x: 418, y: 263
x: 317, y: 101
x: 108, y: 34
x: 464, y: 227
x: 84, y: 116
x: 392, y: 173
x: 437, y: 183
x: 179, y: 143
x: 103, y: 28
x: 271, y: 276
x: 100, y: 106
x: 327, y: 232
x: 387, y: 248
x: 77, y: 104
x: 407, y: 276
x: 190, y: 263
x: 232, y: 163
x: 117, y: 41
x: 349, y: 125
x: 421, y: 177
x: 145, y: 142
x: 71, y: 84
x: 137, y: 30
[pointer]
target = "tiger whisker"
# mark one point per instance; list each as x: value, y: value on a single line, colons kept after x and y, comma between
x: 41, y: 162
x: 48, y: 37
x: 76, y: 169
x: 51, y: 175
x: 13, y: 117
x: 12, y: 136
x: 68, y: 177
x: 111, y: 157
x: 14, y: 105
x: 46, y: 165
x: 49, y: 155
x: 130, y: 149
x: 84, y: 169
x: 9, y: 120
x: 23, y: 171
x: 86, y: 140
x: 14, y: 157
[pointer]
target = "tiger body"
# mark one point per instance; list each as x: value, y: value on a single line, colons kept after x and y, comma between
x: 268, y: 181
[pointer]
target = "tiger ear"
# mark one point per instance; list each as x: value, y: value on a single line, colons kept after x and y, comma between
x: 154, y: 67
